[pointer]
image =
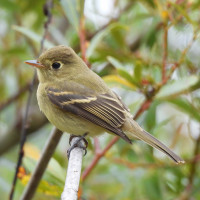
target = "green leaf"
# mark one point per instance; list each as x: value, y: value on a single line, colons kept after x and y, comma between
x: 115, y: 62
x: 150, y: 119
x: 115, y: 80
x: 138, y: 72
x: 100, y: 35
x: 56, y: 170
x: 121, y: 70
x: 124, y: 74
x: 152, y: 34
x: 184, y: 13
x: 32, y: 35
x: 152, y: 185
x: 156, y: 74
x: 70, y: 10
x: 9, y: 5
x: 186, y: 107
x: 177, y: 87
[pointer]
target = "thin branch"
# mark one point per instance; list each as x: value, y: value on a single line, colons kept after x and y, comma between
x: 165, y: 52
x: 177, y: 134
x: 83, y: 39
x: 46, y: 155
x: 97, y: 145
x: 132, y: 165
x: 124, y: 10
x: 70, y: 191
x: 142, y: 108
x: 47, y: 8
x: 186, y: 194
x: 193, y: 166
x: 23, y: 137
x: 97, y: 157
x: 47, y: 11
x: 181, y: 59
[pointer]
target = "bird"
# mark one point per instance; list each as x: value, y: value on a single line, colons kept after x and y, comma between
x: 77, y: 101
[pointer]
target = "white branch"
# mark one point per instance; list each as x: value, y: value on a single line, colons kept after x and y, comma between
x: 70, y: 191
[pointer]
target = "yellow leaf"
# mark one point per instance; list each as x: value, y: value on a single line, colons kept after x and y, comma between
x: 118, y: 80
x: 49, y: 189
x: 31, y: 151
x: 25, y: 179
x: 44, y: 186
x: 164, y: 14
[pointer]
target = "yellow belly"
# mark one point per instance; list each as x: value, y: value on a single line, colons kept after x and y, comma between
x: 65, y: 121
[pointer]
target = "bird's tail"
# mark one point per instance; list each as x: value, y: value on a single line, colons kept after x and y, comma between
x: 139, y: 133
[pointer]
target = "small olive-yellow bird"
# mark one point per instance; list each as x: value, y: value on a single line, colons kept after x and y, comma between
x: 76, y: 100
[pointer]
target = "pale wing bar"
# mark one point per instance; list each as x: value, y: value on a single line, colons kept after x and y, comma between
x: 102, y: 110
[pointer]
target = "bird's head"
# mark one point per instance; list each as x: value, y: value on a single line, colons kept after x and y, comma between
x: 56, y: 63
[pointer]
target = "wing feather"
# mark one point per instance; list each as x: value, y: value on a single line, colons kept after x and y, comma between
x: 103, y: 110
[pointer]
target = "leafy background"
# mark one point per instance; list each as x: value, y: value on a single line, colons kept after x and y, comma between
x: 148, y: 52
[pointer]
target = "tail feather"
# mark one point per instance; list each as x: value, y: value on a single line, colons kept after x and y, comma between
x: 152, y: 141
x: 149, y: 139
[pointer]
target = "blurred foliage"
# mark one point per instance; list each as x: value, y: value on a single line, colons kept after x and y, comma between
x: 128, y: 44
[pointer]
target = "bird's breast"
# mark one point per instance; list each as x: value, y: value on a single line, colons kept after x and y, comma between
x: 65, y: 121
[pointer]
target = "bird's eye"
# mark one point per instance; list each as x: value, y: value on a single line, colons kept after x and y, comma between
x: 56, y: 65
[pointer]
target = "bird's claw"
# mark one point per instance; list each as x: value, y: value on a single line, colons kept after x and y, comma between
x: 78, y: 144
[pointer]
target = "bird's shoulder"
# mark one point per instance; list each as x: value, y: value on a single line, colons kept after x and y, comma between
x: 69, y: 87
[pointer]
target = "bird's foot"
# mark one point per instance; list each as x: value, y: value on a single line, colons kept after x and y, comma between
x: 78, y: 143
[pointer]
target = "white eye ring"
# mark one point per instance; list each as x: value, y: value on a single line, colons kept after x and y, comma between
x: 56, y: 65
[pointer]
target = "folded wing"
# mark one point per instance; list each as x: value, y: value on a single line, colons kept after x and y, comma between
x: 103, y: 110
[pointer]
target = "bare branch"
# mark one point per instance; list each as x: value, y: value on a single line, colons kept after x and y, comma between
x: 46, y: 155
x: 165, y: 52
x: 47, y: 11
x: 23, y: 136
x: 70, y: 191
x: 98, y: 157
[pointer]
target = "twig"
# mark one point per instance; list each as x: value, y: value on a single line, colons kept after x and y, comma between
x: 132, y: 165
x: 97, y: 157
x: 46, y: 155
x: 23, y: 137
x: 176, y: 136
x: 70, y: 191
x: 143, y: 107
x: 124, y: 10
x: 181, y: 59
x: 186, y: 194
x: 47, y: 11
x: 165, y: 52
x: 83, y: 39
x: 97, y: 145
x: 15, y: 97
x: 193, y: 166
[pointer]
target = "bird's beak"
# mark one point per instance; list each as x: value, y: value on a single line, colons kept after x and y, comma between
x: 34, y: 63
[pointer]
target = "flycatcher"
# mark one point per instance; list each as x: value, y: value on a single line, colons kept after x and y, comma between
x: 76, y: 100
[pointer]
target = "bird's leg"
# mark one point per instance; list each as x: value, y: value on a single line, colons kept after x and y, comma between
x: 78, y: 143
